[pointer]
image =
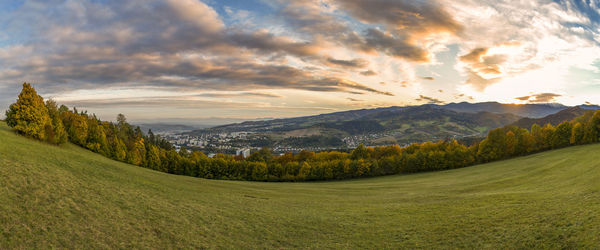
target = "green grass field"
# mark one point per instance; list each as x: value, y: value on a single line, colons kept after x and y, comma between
x: 69, y: 197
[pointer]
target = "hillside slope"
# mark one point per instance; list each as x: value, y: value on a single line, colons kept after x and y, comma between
x: 554, y: 119
x: 526, y: 110
x: 67, y: 196
x: 395, y: 125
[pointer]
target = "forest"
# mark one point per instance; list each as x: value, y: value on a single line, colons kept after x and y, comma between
x: 43, y: 120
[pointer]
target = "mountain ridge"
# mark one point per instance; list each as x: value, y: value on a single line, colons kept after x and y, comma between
x: 523, y: 110
x: 390, y: 125
x: 554, y: 119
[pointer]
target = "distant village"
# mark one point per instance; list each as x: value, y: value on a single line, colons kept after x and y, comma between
x: 212, y: 143
x: 243, y: 143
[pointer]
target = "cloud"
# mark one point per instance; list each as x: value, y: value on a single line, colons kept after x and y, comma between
x: 354, y: 100
x: 474, y: 56
x: 395, y: 46
x: 266, y: 42
x: 478, y: 82
x: 539, y: 98
x: 506, y: 39
x: 157, y: 101
x: 411, y: 18
x: 354, y: 63
x: 405, y: 23
x: 483, y: 69
x: 186, y: 46
x: 242, y: 94
x: 523, y: 98
x: 310, y: 17
x: 179, y: 103
x: 429, y: 100
x: 368, y: 73
x: 481, y: 48
x: 354, y: 85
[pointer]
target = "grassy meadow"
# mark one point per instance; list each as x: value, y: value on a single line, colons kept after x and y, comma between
x: 66, y: 196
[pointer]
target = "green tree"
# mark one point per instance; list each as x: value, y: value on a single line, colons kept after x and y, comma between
x: 536, y: 134
x: 119, y: 150
x: 137, y: 154
x: 77, y: 127
x: 562, y: 135
x: 153, y: 157
x: 304, y: 171
x: 592, y: 128
x: 547, y: 133
x: 511, y: 143
x: 525, y: 142
x: 576, y: 134
x: 360, y: 152
x: 362, y: 167
x: 96, y: 139
x: 59, y: 134
x: 29, y: 115
x: 262, y: 155
x: 493, y: 147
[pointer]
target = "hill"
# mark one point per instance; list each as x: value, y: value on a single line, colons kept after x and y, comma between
x: 384, y: 126
x: 66, y: 196
x: 390, y: 125
x: 554, y: 119
x: 287, y: 124
x: 524, y: 110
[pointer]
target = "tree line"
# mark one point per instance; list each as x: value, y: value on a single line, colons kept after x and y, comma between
x: 33, y: 117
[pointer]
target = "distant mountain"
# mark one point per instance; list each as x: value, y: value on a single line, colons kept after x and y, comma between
x: 287, y: 124
x: 377, y: 126
x: 162, y: 127
x: 589, y: 107
x: 554, y: 119
x: 524, y: 110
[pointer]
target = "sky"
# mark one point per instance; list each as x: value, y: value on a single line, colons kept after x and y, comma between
x: 226, y: 60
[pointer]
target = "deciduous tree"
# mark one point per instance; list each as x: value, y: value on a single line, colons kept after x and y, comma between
x: 29, y: 115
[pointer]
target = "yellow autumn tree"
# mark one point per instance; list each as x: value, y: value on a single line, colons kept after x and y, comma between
x: 29, y: 115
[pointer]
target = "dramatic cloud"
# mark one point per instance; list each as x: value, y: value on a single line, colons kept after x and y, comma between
x: 176, y: 50
x: 508, y: 40
x: 286, y: 53
x: 311, y: 17
x: 415, y: 19
x: 395, y: 46
x: 483, y: 69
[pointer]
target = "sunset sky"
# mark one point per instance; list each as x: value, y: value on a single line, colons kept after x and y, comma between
x: 246, y: 59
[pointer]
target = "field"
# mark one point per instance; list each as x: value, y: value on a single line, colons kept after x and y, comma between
x: 65, y: 196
